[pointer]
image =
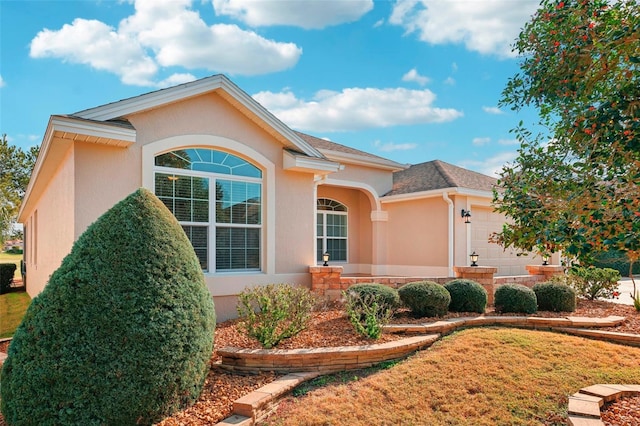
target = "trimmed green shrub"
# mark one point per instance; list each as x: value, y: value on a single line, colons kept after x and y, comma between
x: 592, y: 283
x: 7, y: 271
x: 466, y: 296
x: 515, y: 298
x: 386, y: 296
x: 368, y: 312
x: 123, y: 332
x: 555, y: 297
x: 274, y: 312
x: 425, y: 298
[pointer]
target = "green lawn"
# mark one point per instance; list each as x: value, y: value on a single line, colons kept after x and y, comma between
x: 12, y: 308
x: 12, y: 258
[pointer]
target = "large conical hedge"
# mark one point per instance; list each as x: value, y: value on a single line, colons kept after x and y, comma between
x: 123, y: 332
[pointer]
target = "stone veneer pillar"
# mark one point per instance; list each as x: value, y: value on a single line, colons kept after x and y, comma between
x: 483, y: 275
x: 325, y: 281
x: 547, y: 271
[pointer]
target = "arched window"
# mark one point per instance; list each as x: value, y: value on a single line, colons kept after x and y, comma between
x: 332, y: 233
x: 217, y: 198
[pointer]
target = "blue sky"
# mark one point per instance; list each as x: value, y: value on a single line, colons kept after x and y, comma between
x: 408, y: 80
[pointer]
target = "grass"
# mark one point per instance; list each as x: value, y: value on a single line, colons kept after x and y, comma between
x: 12, y: 308
x: 12, y: 258
x: 484, y: 376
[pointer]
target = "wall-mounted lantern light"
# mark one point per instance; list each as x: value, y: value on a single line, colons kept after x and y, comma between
x: 466, y: 215
x: 545, y: 260
x: 474, y: 258
x: 325, y: 258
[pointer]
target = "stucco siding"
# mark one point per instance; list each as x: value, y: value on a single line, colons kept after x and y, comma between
x: 380, y: 180
x: 104, y: 176
x: 417, y: 233
x: 50, y: 227
x: 205, y: 115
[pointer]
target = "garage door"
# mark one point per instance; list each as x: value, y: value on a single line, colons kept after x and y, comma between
x: 484, y: 222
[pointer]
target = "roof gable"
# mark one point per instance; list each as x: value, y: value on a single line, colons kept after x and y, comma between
x: 437, y: 175
x: 216, y: 83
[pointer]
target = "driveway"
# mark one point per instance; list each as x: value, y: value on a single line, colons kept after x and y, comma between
x: 625, y: 287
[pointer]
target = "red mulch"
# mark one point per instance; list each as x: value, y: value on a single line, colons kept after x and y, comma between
x: 330, y: 328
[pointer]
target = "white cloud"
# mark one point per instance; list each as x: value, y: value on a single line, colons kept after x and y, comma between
x: 480, y: 141
x: 413, y: 75
x: 487, y: 27
x: 356, y: 108
x: 491, y: 166
x: 2, y: 83
x: 450, y: 81
x: 390, y: 146
x: 163, y: 33
x: 492, y: 110
x: 309, y: 14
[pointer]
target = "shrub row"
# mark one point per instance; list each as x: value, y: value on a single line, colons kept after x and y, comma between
x: 275, y: 312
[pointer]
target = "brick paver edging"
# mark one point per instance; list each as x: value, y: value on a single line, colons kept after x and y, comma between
x: 584, y: 405
x: 325, y: 360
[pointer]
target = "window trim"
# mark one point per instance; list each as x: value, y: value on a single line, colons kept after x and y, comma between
x: 324, y: 237
x: 267, y: 243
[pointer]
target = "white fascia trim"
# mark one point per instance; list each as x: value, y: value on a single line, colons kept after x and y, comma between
x: 435, y: 193
x: 362, y: 160
x: 151, y: 100
x: 173, y: 94
x: 308, y: 164
x: 99, y: 130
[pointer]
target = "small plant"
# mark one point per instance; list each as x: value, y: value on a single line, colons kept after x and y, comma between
x: 425, y: 298
x: 593, y: 283
x: 274, y: 312
x: 515, y: 298
x: 466, y: 296
x: 555, y: 297
x: 367, y: 312
x: 636, y: 301
x: 387, y: 296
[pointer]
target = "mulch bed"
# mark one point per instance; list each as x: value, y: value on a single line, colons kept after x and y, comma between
x: 330, y: 328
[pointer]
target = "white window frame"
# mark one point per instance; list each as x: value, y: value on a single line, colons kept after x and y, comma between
x: 324, y: 237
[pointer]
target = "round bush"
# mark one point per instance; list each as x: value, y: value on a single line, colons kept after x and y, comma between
x: 466, y: 296
x: 386, y: 296
x: 555, y: 297
x: 515, y: 298
x: 123, y: 332
x: 425, y: 298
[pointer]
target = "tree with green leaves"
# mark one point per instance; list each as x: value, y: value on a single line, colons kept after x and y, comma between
x: 15, y: 170
x: 575, y: 184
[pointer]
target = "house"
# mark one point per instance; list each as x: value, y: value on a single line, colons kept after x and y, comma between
x: 259, y: 201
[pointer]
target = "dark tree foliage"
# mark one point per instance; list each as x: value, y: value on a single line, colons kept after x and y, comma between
x: 575, y: 186
x: 123, y: 332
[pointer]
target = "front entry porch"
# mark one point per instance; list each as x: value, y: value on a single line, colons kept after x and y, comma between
x: 328, y: 281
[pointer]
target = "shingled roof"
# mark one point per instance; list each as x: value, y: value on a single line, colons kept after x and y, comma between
x: 436, y: 174
x: 325, y: 145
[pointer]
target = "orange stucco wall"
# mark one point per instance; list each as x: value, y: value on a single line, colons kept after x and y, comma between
x: 417, y: 236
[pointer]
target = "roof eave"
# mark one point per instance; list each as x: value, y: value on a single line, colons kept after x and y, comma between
x: 301, y: 163
x: 64, y: 131
x: 361, y: 160
x: 411, y: 196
